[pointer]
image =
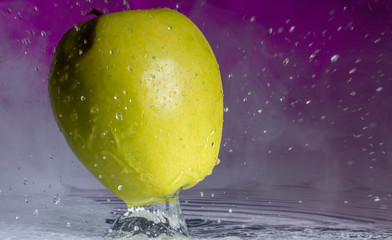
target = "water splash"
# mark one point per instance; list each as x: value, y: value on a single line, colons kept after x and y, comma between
x: 163, y: 220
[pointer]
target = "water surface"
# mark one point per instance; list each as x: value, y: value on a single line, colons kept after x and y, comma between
x: 283, y: 213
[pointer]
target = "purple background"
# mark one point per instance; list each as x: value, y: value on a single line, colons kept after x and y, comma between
x: 307, y: 85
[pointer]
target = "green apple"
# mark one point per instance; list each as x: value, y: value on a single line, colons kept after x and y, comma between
x: 138, y: 97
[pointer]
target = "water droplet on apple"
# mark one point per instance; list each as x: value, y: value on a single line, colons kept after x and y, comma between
x: 119, y: 116
x: 212, y: 132
x: 74, y: 116
x: 94, y: 109
x: 120, y: 187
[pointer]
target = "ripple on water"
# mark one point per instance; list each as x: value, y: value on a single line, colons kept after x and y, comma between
x: 282, y: 213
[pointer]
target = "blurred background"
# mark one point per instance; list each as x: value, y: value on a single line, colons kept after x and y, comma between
x: 307, y: 86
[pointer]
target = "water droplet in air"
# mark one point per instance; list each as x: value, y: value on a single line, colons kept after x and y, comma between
x: 286, y: 61
x: 201, y: 194
x: 76, y: 28
x: 38, y: 67
x: 335, y: 58
x: 26, y: 41
x: 56, y: 199
x: 353, y: 70
x: 230, y: 210
x: 377, y: 40
x: 226, y: 109
x: 379, y: 89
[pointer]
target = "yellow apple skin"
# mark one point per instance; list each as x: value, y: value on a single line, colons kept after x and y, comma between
x: 138, y: 97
